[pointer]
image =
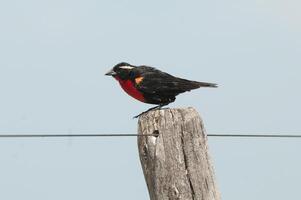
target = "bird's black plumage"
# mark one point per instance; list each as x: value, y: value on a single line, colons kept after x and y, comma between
x: 160, y: 87
x: 151, y: 85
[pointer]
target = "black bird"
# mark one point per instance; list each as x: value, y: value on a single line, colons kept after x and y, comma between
x: 150, y: 85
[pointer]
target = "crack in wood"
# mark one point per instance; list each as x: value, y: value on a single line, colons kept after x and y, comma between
x: 187, y: 170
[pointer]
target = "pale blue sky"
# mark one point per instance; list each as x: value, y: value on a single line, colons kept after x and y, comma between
x: 53, y: 57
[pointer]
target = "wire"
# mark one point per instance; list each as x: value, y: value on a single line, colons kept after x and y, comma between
x: 142, y: 135
x: 71, y: 135
x: 255, y: 135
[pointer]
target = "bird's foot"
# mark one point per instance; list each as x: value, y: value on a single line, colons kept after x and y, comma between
x: 153, y: 108
x: 135, y: 117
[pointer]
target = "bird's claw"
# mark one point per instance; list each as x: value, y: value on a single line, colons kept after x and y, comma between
x: 153, y: 108
x: 135, y: 117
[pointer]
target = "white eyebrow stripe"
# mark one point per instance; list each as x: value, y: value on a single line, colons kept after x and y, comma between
x: 126, y: 67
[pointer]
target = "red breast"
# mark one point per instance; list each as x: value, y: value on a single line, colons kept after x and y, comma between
x: 129, y: 87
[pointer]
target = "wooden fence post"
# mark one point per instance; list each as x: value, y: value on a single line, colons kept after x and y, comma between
x: 176, y: 164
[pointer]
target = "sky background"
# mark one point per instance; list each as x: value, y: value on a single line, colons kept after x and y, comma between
x: 53, y: 58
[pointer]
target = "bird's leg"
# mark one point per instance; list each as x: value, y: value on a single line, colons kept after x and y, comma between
x: 153, y: 108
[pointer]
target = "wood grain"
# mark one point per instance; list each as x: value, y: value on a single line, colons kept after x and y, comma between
x: 176, y: 164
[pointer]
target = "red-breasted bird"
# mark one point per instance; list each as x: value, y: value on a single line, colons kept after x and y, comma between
x: 150, y: 85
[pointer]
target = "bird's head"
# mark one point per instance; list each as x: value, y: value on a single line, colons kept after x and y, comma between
x: 122, y: 71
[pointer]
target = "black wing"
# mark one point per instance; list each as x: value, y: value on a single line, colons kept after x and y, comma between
x: 158, y: 82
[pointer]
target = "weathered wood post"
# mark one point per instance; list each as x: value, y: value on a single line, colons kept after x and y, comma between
x: 176, y: 164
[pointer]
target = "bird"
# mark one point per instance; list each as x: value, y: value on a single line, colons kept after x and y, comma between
x: 152, y: 86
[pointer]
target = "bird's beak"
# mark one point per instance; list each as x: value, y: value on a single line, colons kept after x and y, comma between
x: 110, y: 73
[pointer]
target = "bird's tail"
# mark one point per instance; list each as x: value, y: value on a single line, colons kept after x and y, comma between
x: 204, y: 84
x: 187, y: 85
